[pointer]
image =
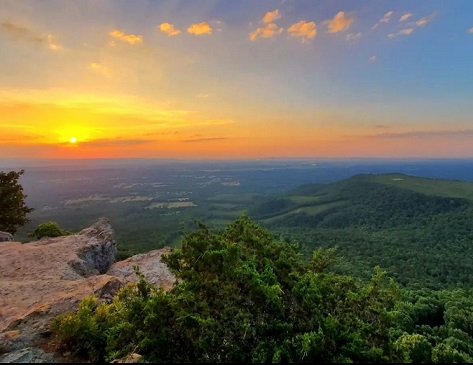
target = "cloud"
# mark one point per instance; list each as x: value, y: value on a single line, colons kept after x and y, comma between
x: 52, y: 44
x: 129, y: 38
x: 271, y: 16
x: 200, y: 29
x: 23, y: 34
x: 353, y: 36
x: 412, y: 26
x: 423, y: 21
x: 19, y: 140
x: 470, y: 30
x: 169, y: 29
x: 205, y: 139
x: 373, y: 58
x: 339, y: 23
x: 406, y: 31
x: 405, y: 17
x: 426, y: 134
x: 115, y: 142
x: 384, y: 19
x: 98, y: 68
x: 267, y: 31
x: 303, y: 29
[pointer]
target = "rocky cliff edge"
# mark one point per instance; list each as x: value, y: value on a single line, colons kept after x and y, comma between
x: 42, y: 279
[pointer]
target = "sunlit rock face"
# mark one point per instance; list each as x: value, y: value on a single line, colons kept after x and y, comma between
x: 41, y: 279
x: 150, y: 265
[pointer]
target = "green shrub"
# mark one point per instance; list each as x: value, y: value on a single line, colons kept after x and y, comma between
x: 83, y: 332
x: 241, y: 296
x: 48, y: 229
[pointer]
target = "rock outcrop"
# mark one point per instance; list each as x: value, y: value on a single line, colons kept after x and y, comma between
x: 150, y: 265
x: 28, y: 355
x: 5, y: 237
x: 42, y: 279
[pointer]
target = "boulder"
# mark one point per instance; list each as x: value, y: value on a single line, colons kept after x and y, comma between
x: 41, y: 279
x: 28, y: 355
x: 5, y: 237
x: 149, y: 264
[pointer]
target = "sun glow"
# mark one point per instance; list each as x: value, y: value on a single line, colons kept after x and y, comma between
x: 73, y: 140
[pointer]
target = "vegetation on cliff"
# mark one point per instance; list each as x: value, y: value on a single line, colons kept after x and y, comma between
x: 48, y: 229
x: 243, y: 296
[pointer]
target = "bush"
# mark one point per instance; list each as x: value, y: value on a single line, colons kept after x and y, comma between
x: 241, y: 296
x: 83, y: 332
x: 48, y: 229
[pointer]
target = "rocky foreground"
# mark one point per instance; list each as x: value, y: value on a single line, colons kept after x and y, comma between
x: 42, y: 279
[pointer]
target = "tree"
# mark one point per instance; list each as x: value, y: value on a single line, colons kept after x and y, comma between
x: 13, y: 209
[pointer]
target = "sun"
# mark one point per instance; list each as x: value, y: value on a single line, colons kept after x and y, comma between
x: 73, y: 140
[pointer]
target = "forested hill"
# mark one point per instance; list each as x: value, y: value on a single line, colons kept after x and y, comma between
x: 420, y: 230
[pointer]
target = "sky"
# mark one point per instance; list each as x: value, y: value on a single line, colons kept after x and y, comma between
x: 236, y: 79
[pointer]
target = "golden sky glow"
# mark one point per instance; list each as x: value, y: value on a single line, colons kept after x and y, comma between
x: 211, y: 79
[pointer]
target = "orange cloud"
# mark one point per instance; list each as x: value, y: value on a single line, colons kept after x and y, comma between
x: 267, y: 31
x: 405, y: 17
x: 200, y: 29
x: 339, y: 23
x: 52, y: 44
x: 271, y: 16
x: 303, y: 29
x: 98, y: 68
x: 129, y: 38
x: 169, y: 29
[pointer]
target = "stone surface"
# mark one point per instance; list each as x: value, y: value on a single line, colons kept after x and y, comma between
x: 27, y: 355
x: 5, y: 237
x: 150, y: 265
x: 39, y: 280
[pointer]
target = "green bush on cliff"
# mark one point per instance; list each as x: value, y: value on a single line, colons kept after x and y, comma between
x: 48, y: 229
x: 241, y: 296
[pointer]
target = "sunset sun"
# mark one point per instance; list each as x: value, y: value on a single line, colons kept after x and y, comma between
x: 73, y: 140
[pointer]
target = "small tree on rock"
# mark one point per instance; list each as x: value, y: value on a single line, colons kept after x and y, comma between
x: 13, y: 209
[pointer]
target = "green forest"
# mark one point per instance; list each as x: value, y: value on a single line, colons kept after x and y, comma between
x: 419, y: 230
